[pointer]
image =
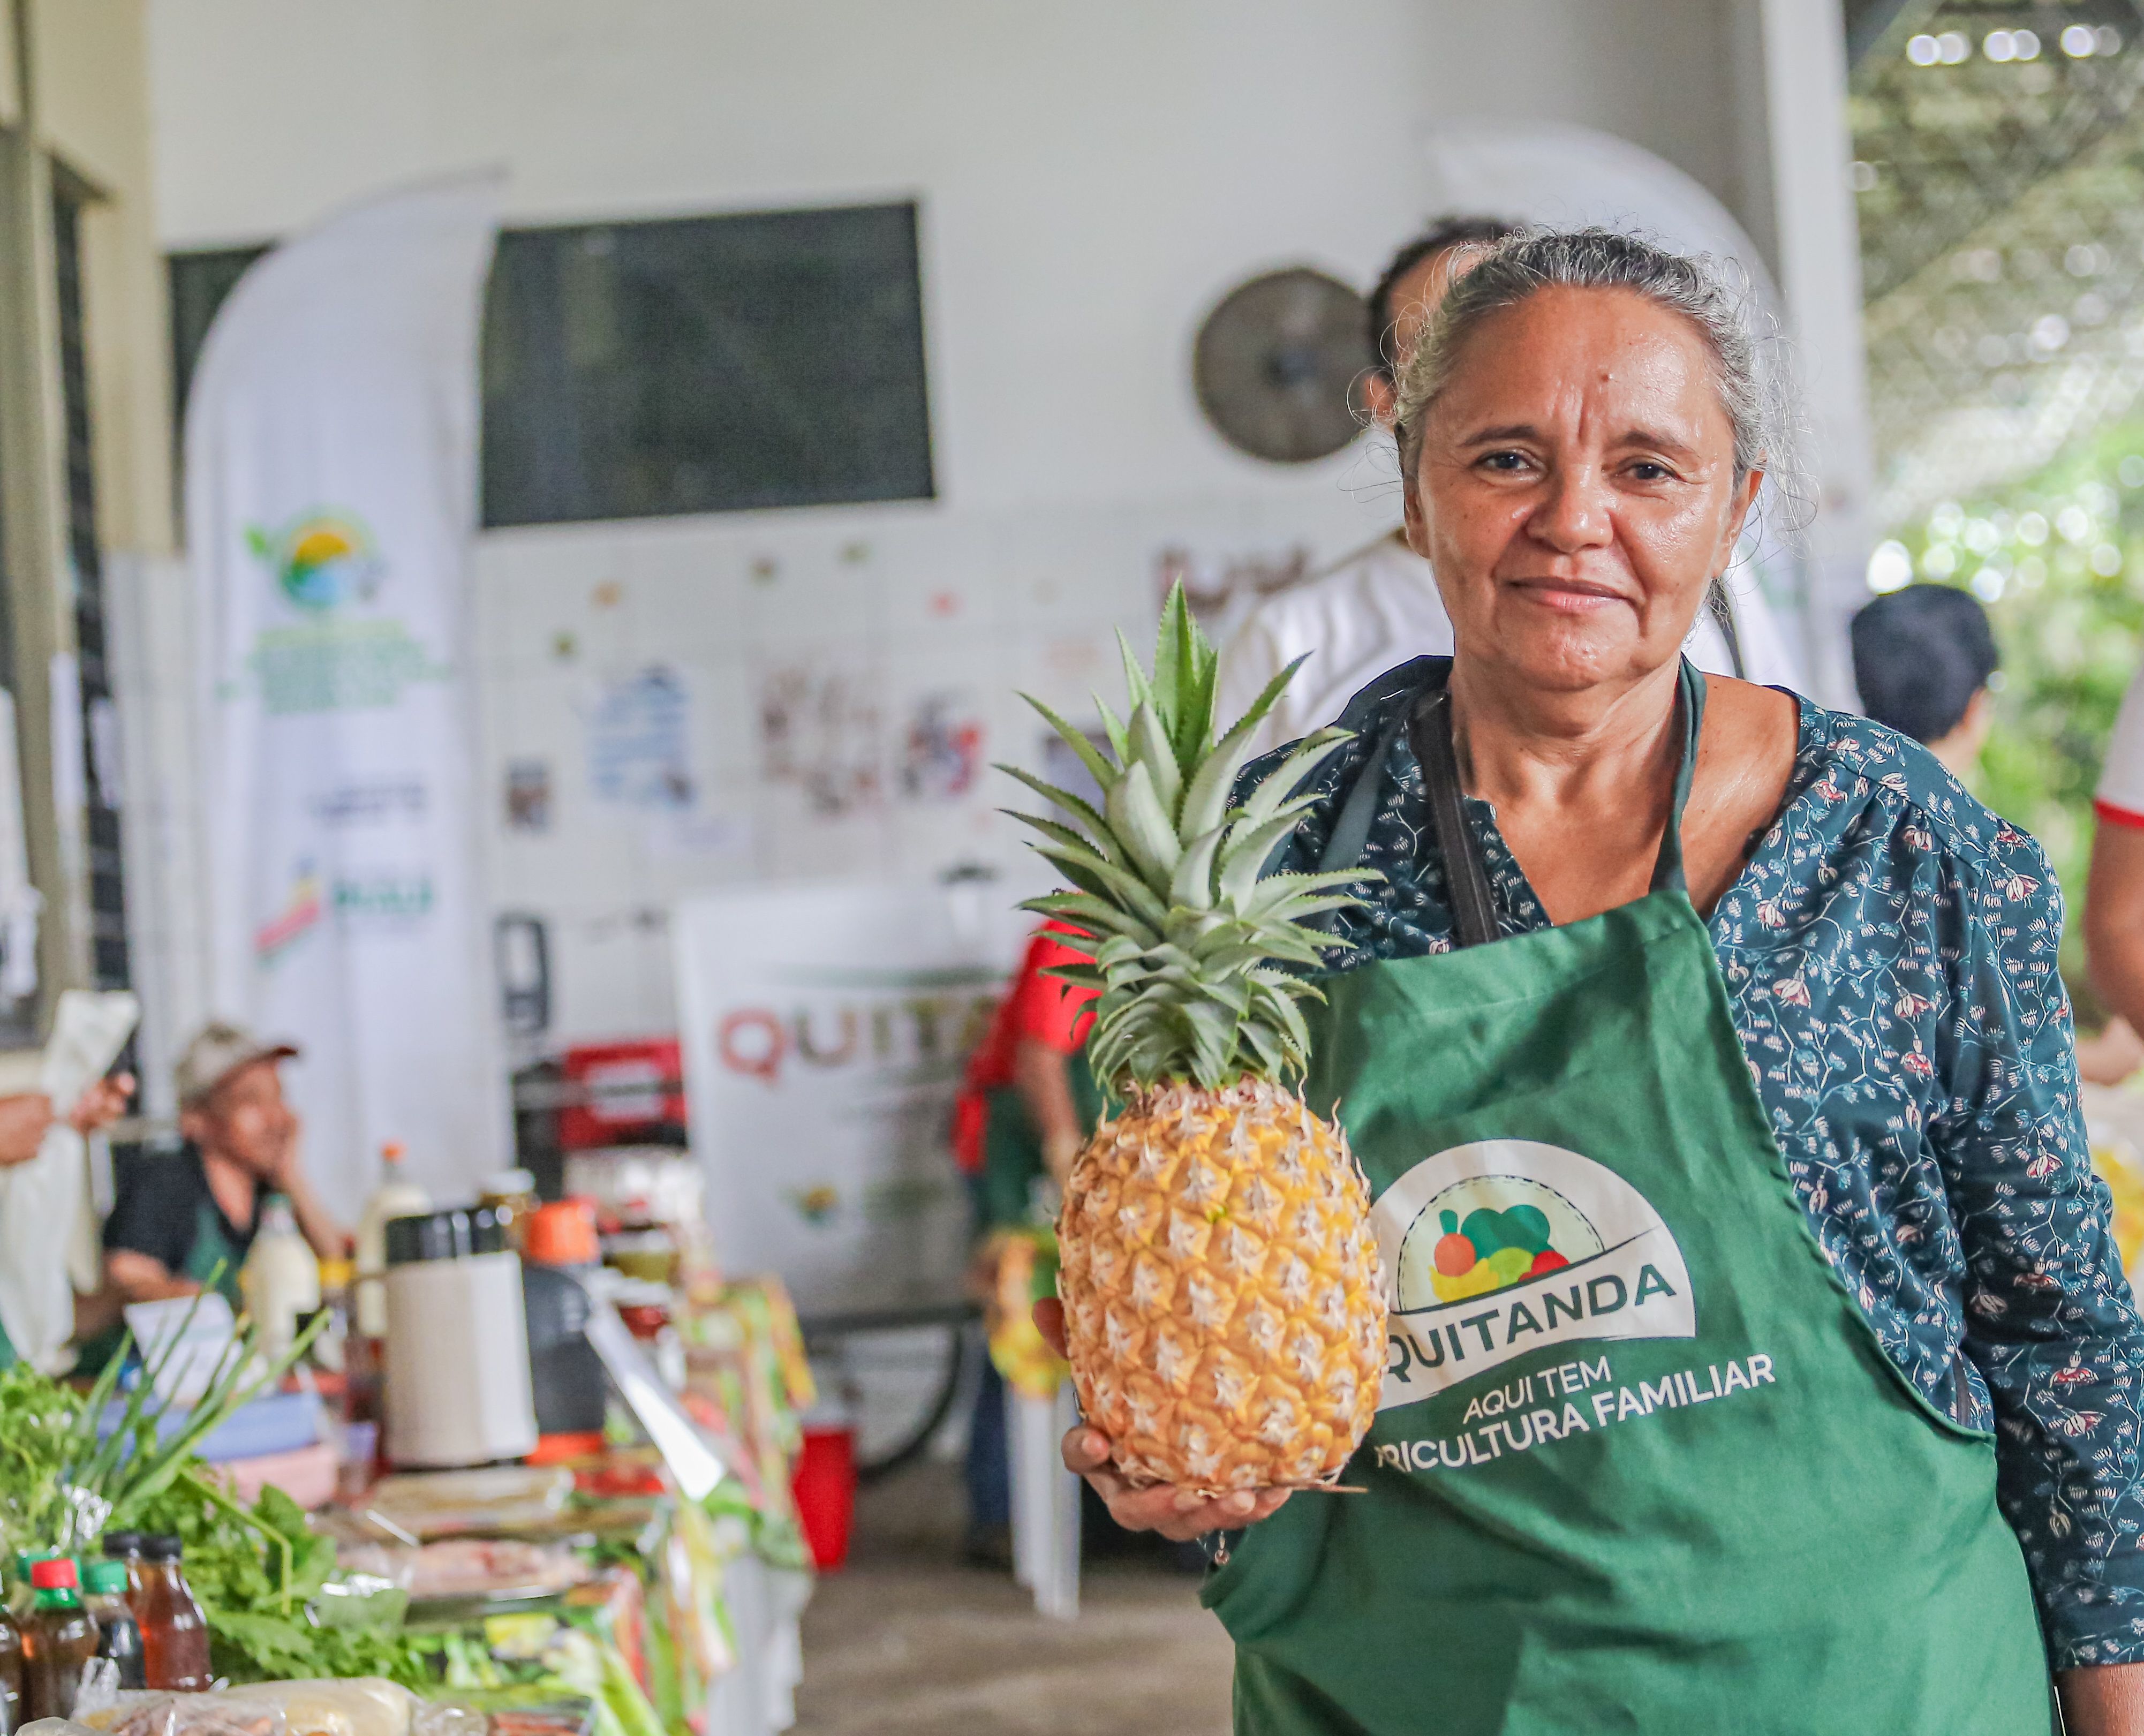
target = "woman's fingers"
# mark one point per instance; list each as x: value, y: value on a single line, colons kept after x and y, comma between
x: 1178, y: 1514
x: 1049, y: 1321
x: 1086, y: 1450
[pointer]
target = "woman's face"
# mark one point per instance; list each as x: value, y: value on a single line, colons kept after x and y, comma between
x: 1575, y: 489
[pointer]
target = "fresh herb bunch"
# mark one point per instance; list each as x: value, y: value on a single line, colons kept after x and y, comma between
x: 278, y: 1607
x: 63, y: 1480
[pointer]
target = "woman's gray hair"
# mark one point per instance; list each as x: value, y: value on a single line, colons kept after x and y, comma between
x: 1754, y: 391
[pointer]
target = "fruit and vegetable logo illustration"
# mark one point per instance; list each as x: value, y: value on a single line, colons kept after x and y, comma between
x: 1482, y: 1233
x: 1490, y: 1250
x: 1504, y: 1246
x: 321, y: 559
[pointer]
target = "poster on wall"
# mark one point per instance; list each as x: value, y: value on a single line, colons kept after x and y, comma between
x: 824, y: 1031
x: 331, y: 506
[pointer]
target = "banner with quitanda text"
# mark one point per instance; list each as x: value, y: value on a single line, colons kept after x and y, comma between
x: 332, y: 505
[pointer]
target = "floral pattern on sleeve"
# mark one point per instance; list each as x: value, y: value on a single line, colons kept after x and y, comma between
x: 1889, y: 953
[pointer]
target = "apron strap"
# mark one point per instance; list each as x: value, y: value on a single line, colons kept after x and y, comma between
x: 1689, y: 701
x: 1473, y: 909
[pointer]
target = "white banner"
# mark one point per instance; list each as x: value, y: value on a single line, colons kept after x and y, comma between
x: 331, y: 504
x: 825, y: 1033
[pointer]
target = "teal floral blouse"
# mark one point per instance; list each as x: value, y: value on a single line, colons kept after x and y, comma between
x: 1889, y: 955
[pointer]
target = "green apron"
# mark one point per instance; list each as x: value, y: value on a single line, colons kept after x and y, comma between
x: 1012, y: 1145
x: 213, y: 1248
x: 1639, y: 1464
x: 210, y: 1246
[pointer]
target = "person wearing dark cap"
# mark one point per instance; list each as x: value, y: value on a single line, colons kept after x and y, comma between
x: 179, y: 1218
x: 1376, y: 607
x: 1925, y: 662
x: 1923, y: 659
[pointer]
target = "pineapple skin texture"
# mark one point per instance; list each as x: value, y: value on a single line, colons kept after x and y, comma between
x: 1224, y: 1303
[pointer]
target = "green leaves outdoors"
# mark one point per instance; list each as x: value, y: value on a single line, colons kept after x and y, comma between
x: 1189, y: 944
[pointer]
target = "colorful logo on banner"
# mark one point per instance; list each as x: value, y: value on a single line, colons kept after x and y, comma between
x: 301, y: 911
x: 1505, y: 1246
x: 321, y: 560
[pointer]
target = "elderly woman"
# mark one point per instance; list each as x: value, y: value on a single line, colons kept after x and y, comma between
x: 1759, y: 1359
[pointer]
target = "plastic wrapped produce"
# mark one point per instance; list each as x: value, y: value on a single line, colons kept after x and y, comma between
x: 361, y: 1706
x: 186, y: 1715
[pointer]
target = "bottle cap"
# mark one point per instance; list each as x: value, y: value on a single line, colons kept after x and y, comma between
x: 120, y: 1544
x: 455, y: 1234
x: 505, y: 1184
x: 157, y: 1547
x: 562, y: 1233
x: 338, y: 1274
x: 56, y: 1574
x: 104, y: 1578
x: 391, y: 1152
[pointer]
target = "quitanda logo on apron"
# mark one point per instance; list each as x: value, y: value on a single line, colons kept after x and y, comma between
x: 1505, y: 1246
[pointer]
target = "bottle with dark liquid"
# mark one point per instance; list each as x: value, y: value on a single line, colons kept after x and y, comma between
x: 58, y: 1638
x: 174, y: 1631
x: 118, y: 1635
x: 11, y: 1718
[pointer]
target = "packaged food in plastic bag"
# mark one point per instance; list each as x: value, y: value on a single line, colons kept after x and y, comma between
x: 449, y: 1718
x: 153, y: 1714
x: 360, y: 1706
x: 53, y: 1727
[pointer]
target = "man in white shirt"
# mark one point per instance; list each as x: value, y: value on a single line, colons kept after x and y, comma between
x: 1379, y: 606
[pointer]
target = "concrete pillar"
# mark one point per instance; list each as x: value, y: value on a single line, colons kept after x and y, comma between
x: 40, y: 628
x: 1790, y: 71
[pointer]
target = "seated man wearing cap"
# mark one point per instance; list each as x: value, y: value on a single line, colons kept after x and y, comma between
x: 178, y: 1217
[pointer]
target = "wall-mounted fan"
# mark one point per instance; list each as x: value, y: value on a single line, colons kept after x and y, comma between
x: 1277, y: 364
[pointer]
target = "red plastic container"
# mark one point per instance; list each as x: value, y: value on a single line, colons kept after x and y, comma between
x: 636, y: 1094
x: 825, y: 1487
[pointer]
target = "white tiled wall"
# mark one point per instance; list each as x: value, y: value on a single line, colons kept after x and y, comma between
x: 891, y: 606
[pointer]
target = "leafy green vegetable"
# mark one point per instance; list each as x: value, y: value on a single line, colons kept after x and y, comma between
x: 262, y: 1576
x: 64, y: 1478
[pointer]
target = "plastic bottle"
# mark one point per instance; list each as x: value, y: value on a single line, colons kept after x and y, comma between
x: 560, y: 1255
x: 338, y: 1277
x: 281, y: 1278
x: 58, y: 1638
x: 174, y: 1632
x: 19, y: 1595
x: 118, y: 1635
x: 395, y: 1197
x: 512, y: 1194
x: 125, y: 1547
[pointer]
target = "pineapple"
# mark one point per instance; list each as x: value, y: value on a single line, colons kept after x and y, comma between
x: 1224, y: 1301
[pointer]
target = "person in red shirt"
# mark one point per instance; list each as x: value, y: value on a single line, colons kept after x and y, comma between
x: 1028, y: 1101
x: 1026, y: 1107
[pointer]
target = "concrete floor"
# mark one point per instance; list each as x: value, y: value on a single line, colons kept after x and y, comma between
x: 908, y: 1640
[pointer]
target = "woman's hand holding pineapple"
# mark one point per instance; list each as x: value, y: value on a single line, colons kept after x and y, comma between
x: 1179, y: 1514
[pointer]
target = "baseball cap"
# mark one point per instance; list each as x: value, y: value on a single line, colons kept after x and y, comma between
x: 219, y: 1050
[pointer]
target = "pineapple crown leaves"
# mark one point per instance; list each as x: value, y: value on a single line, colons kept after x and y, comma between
x: 1196, y: 956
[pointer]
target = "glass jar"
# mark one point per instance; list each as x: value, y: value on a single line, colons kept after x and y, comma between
x: 58, y: 1638
x: 174, y: 1631
x: 107, y: 1585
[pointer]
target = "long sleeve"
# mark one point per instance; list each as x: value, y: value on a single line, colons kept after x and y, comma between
x: 2050, y: 1324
